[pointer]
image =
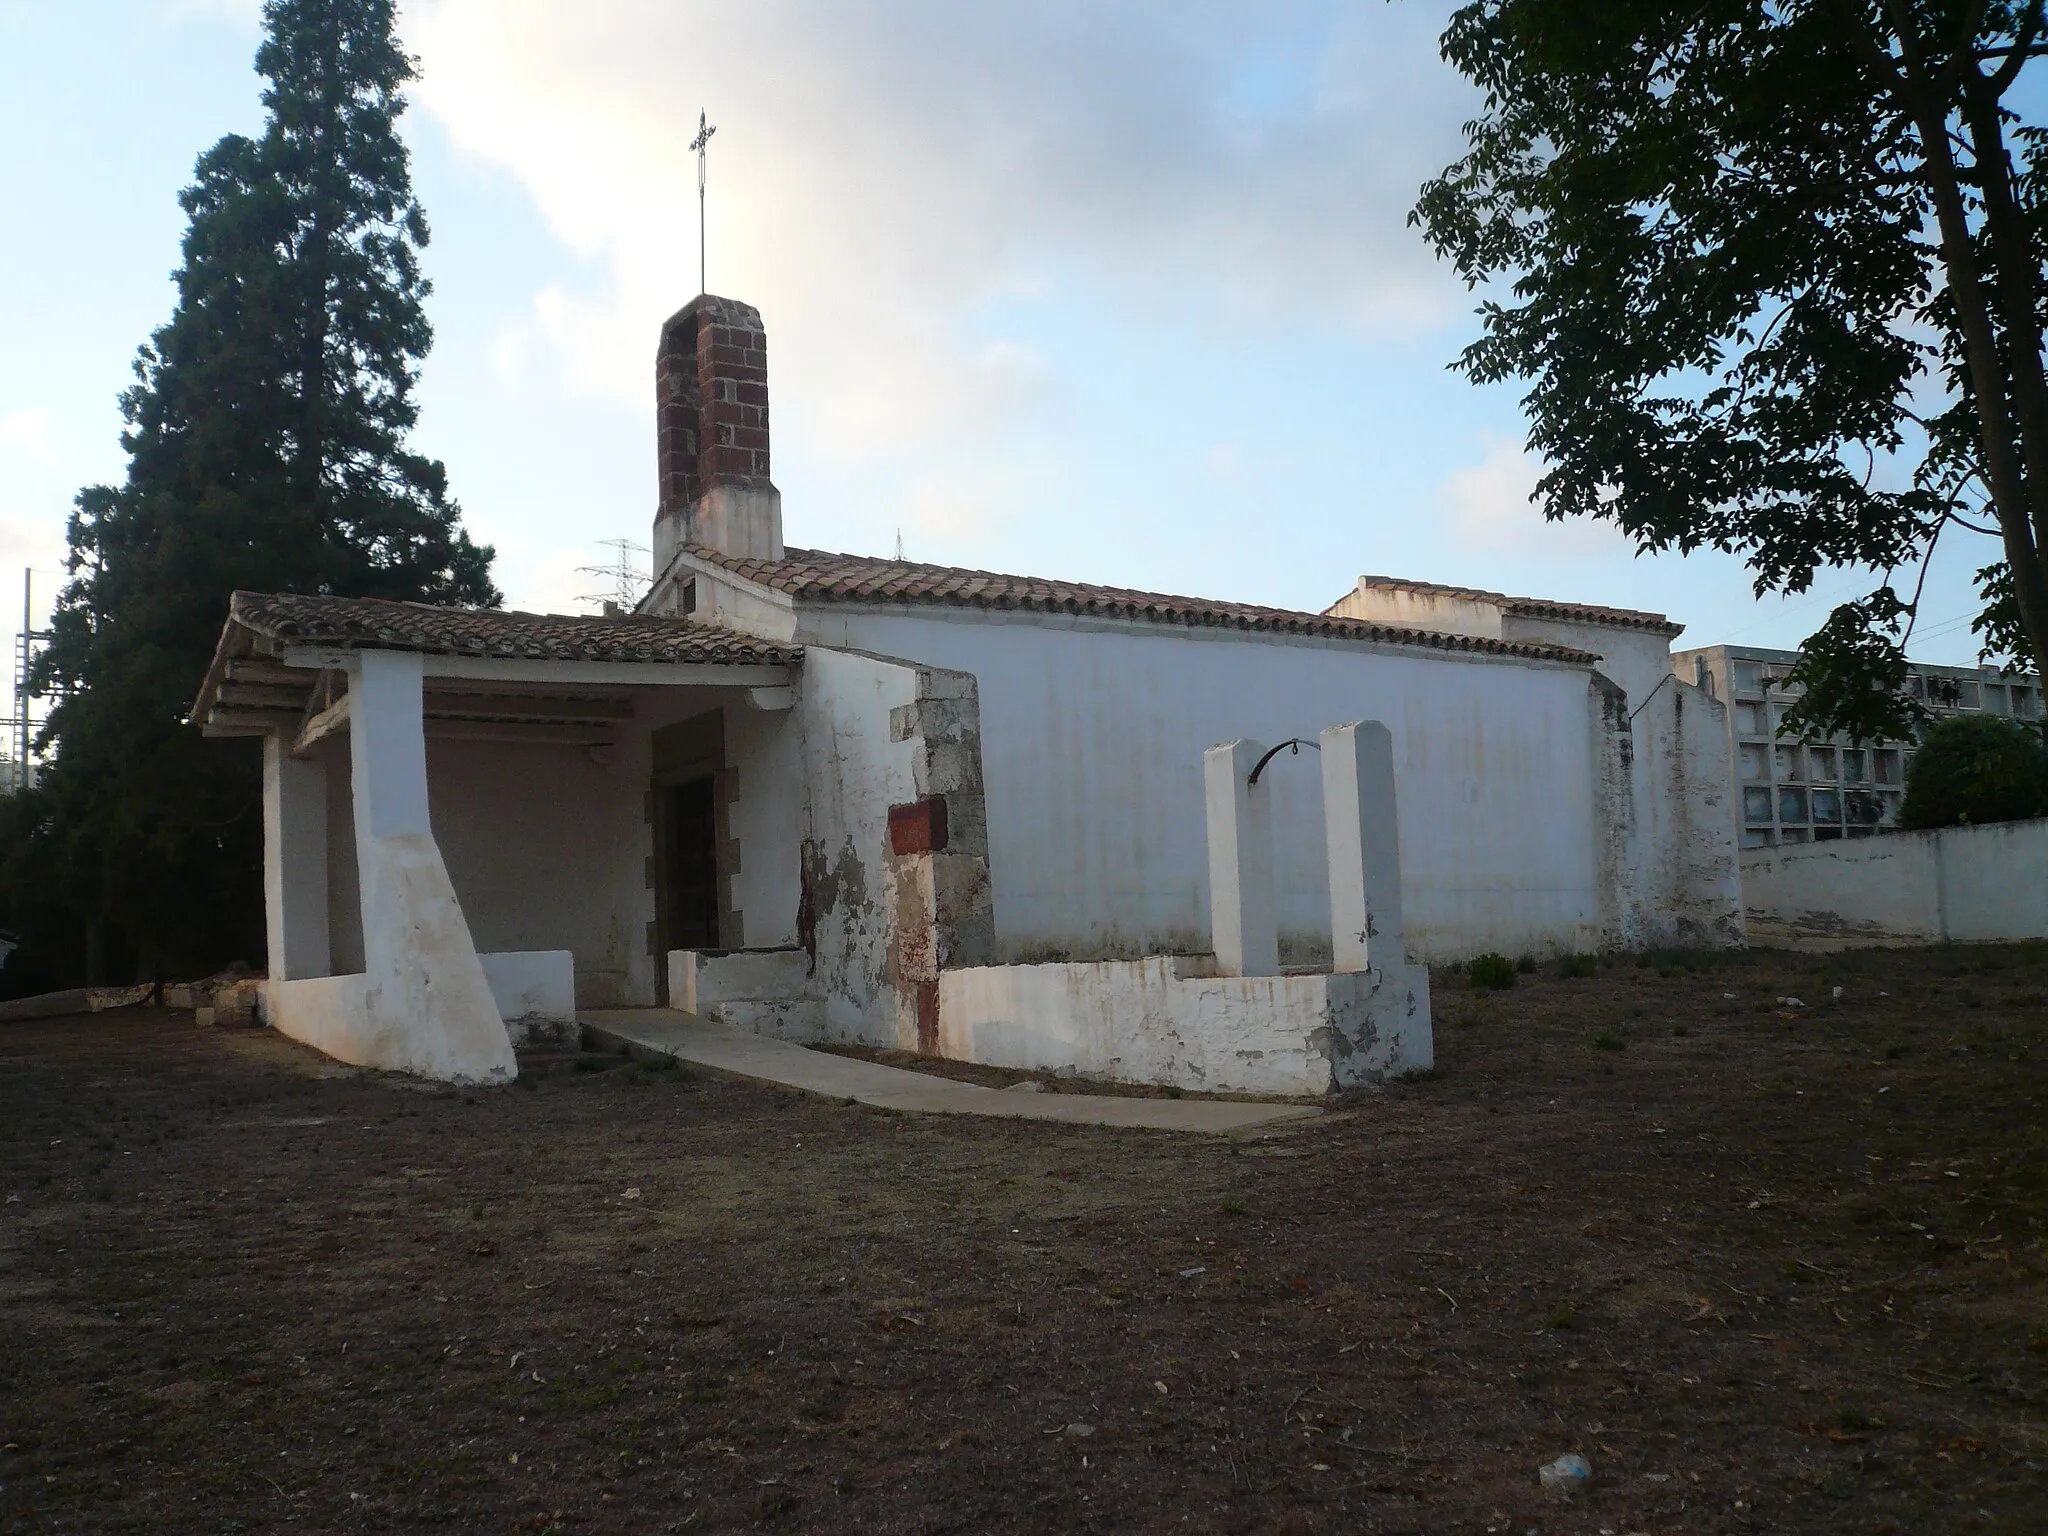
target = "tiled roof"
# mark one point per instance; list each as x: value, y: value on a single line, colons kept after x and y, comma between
x: 370, y: 623
x: 816, y: 576
x: 1531, y: 607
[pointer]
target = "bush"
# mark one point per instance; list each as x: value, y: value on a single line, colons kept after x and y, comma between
x: 1491, y: 973
x: 1973, y: 769
x: 1578, y: 965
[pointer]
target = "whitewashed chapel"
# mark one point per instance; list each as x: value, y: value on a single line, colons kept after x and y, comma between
x: 1022, y: 821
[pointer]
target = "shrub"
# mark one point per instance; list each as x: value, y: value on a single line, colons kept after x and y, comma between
x: 1491, y: 973
x: 1578, y: 965
x: 1976, y: 768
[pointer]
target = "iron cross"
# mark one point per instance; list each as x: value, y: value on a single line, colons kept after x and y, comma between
x: 704, y: 132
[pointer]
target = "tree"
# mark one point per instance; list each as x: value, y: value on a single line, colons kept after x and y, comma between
x: 267, y: 442
x: 1775, y: 277
x: 1973, y: 769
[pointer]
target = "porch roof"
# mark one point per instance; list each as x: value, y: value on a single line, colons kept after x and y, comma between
x: 266, y: 664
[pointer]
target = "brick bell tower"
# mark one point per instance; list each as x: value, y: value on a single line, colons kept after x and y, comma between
x: 711, y: 415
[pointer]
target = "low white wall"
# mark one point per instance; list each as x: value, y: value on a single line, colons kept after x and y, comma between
x: 329, y: 1013
x: 1171, y: 1021
x: 535, y: 991
x: 770, y: 992
x: 1957, y: 885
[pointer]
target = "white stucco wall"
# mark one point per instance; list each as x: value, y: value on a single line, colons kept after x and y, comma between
x: 1092, y: 742
x: 854, y: 772
x: 1958, y: 885
x: 539, y: 841
x: 535, y: 990
x: 1686, y: 846
x: 765, y: 819
x: 1173, y: 1022
x: 1637, y: 659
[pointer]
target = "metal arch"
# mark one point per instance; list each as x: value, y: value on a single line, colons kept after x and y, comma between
x: 1295, y: 743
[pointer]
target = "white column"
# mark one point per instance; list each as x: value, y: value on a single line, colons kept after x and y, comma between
x: 294, y: 863
x: 388, y: 745
x: 1364, y: 845
x: 428, y: 1006
x: 1244, y: 917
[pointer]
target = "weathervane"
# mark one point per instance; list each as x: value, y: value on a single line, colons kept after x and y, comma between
x: 704, y: 132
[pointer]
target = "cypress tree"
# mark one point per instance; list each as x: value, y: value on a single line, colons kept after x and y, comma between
x: 267, y: 440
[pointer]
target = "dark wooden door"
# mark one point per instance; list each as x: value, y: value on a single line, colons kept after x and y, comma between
x: 693, y: 866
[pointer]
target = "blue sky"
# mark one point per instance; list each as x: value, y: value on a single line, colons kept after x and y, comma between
x: 1123, y: 294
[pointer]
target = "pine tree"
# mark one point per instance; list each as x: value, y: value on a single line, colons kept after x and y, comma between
x: 267, y: 442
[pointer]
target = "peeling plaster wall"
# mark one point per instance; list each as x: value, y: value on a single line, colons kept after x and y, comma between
x: 1092, y: 737
x: 1681, y: 868
x: 1692, y: 887
x: 855, y: 770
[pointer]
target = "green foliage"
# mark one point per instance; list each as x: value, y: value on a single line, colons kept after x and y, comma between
x: 1574, y: 966
x: 1773, y: 275
x: 1490, y: 972
x: 1973, y: 769
x: 267, y: 442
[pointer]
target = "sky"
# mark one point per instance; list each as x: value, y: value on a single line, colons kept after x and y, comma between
x: 1118, y: 293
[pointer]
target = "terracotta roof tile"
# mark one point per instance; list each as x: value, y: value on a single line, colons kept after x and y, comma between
x: 1531, y: 607
x: 368, y: 623
x: 817, y: 576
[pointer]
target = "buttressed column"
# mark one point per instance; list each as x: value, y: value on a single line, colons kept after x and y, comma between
x: 429, y: 1008
x: 1364, y: 845
x: 1244, y: 917
x: 294, y: 863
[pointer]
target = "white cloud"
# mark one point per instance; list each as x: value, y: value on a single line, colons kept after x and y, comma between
x: 1488, y: 507
x: 894, y: 183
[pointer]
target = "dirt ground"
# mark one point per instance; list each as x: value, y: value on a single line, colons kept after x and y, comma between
x: 1768, y: 1268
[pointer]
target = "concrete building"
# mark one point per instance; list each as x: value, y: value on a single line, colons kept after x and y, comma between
x: 1016, y: 820
x: 1810, y: 789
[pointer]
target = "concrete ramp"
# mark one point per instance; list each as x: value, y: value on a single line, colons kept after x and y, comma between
x: 724, y: 1049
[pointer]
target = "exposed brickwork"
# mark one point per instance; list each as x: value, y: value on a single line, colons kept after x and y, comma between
x: 711, y: 400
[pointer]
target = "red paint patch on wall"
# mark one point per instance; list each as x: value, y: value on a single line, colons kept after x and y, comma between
x: 919, y: 827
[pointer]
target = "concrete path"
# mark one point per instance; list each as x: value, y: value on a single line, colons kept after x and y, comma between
x: 745, y: 1054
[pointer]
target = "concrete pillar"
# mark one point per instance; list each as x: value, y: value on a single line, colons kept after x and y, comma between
x: 294, y: 863
x: 1363, y: 840
x: 429, y: 1009
x: 1244, y: 913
